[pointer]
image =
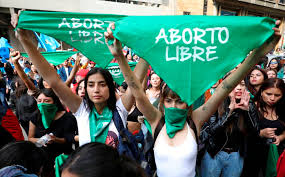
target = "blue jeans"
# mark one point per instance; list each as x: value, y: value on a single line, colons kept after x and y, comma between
x: 3, y: 97
x: 223, y: 164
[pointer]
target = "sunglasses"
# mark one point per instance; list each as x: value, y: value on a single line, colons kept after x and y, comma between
x: 274, y: 62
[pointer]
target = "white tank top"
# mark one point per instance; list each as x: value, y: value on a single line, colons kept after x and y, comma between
x: 178, y: 161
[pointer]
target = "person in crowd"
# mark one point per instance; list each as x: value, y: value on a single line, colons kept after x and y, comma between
x: 99, y: 100
x: 254, y: 80
x: 105, y: 161
x: 54, y: 122
x: 34, y: 75
x: 154, y: 88
x: 271, y: 73
x: 22, y: 158
x: 64, y: 71
x: 27, y: 67
x: 269, y: 107
x: 80, y: 90
x: 274, y: 63
x: 175, y: 147
x: 224, y: 135
x: 121, y: 90
x: 3, y: 90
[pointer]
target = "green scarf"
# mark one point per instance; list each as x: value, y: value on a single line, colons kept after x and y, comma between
x: 48, y: 112
x: 59, y: 161
x: 99, y: 124
x: 55, y: 58
x: 174, y: 120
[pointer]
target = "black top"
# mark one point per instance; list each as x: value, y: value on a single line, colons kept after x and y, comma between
x: 265, y: 123
x: 133, y: 117
x: 64, y: 127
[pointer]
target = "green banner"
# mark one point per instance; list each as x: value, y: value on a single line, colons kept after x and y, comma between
x: 55, y: 58
x: 115, y: 70
x: 83, y: 31
x: 190, y: 53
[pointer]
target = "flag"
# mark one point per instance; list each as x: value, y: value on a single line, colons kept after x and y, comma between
x: 190, y: 53
x: 4, y: 52
x: 115, y: 70
x: 55, y: 58
x: 47, y: 43
x: 83, y: 31
x: 4, y: 43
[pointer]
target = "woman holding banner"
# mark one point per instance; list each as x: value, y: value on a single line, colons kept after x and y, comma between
x: 175, y: 147
x: 99, y: 100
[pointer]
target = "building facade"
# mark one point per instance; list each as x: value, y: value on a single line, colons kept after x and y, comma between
x: 270, y: 8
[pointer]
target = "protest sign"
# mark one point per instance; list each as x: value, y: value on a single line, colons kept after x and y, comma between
x: 190, y: 53
x: 83, y: 31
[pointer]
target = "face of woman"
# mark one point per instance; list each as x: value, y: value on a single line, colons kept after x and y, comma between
x: 121, y: 91
x: 271, y: 74
x: 97, y: 89
x: 81, y: 90
x: 170, y: 102
x: 256, y: 78
x: 273, y: 64
x: 239, y: 90
x: 44, y: 99
x: 155, y: 80
x: 271, y: 96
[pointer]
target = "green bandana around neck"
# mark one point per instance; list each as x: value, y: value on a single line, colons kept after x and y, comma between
x: 174, y: 120
x: 48, y: 112
x: 99, y: 124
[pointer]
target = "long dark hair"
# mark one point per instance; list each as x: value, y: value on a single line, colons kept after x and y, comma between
x: 105, y: 161
x: 249, y: 86
x: 111, y: 102
x: 24, y: 153
x: 278, y: 62
x: 271, y: 83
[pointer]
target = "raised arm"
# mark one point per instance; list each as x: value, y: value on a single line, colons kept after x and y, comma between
x: 71, y: 100
x: 73, y: 71
x: 140, y: 72
x: 143, y: 104
x: 204, y: 112
x: 15, y: 59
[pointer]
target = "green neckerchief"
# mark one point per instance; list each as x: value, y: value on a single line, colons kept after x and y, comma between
x: 174, y: 120
x: 147, y: 126
x: 99, y: 124
x: 59, y: 161
x: 48, y: 112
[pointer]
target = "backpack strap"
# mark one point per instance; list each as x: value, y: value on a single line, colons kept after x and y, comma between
x: 118, y: 121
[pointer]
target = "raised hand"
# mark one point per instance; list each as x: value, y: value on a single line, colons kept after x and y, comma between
x: 116, y: 47
x: 244, y: 102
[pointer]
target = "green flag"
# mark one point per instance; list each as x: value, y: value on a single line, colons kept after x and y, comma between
x: 115, y: 70
x: 190, y: 53
x: 55, y: 58
x: 83, y: 31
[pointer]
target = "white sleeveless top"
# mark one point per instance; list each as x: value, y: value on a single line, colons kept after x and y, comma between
x: 176, y: 161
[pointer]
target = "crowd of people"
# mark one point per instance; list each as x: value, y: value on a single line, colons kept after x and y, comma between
x: 141, y: 127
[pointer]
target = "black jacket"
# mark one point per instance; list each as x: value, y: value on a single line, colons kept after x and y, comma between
x: 215, y: 137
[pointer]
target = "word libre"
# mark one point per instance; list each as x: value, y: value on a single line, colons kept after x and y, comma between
x: 192, y: 40
x: 93, y: 29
